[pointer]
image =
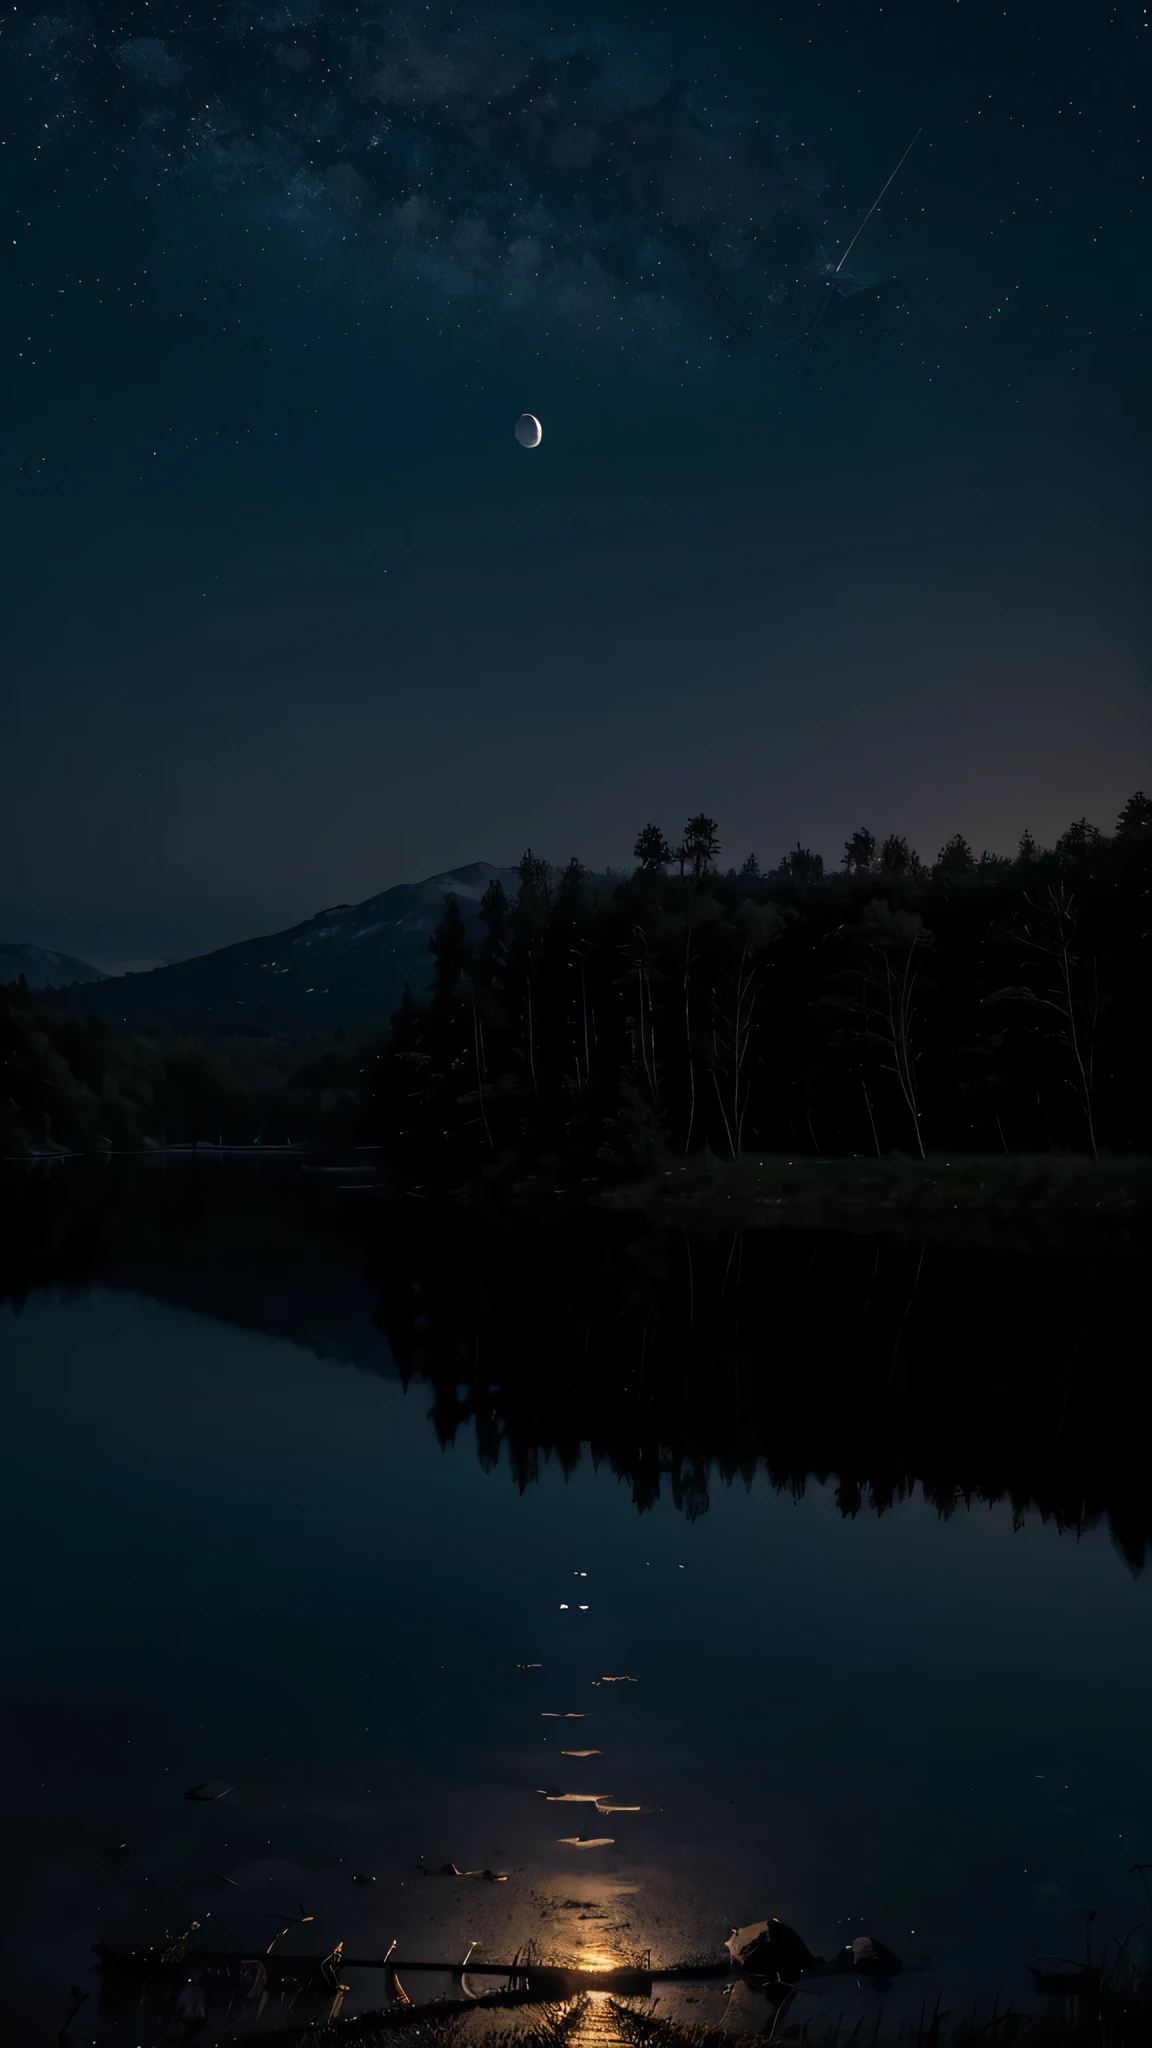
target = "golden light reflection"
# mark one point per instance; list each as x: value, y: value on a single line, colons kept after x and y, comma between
x: 591, y: 1958
x: 580, y: 1932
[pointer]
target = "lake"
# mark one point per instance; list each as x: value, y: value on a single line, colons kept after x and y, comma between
x: 295, y: 1560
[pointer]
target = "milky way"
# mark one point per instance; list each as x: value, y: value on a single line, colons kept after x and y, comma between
x: 840, y: 512
x: 599, y: 178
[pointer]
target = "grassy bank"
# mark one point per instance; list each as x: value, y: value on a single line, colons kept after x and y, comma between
x: 959, y: 1199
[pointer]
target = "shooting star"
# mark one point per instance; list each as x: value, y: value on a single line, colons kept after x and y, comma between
x: 875, y: 204
x: 868, y: 216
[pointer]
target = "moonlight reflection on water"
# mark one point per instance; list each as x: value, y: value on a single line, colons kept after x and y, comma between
x: 231, y: 1560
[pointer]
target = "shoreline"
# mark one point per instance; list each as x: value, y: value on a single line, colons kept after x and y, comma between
x: 959, y: 1199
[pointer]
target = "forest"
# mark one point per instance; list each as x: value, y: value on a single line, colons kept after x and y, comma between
x: 981, y: 1004
x: 74, y: 1083
x: 593, y: 1027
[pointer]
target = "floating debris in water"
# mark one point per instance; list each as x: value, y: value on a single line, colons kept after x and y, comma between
x: 587, y: 1841
x: 581, y: 1752
x: 303, y: 1919
x: 208, y: 1790
x: 621, y: 1678
x: 362, y: 1877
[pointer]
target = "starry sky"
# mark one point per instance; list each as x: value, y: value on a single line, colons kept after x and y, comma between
x: 826, y: 528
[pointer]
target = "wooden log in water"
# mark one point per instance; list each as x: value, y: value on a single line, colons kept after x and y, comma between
x: 550, y: 1979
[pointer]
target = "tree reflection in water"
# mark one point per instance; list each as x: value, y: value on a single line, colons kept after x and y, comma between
x: 682, y: 1361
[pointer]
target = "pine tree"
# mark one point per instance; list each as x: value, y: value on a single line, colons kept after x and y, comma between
x: 751, y: 870
x: 495, y: 916
x: 570, y: 894
x: 897, y: 857
x: 404, y: 1020
x: 1135, y: 820
x: 860, y: 851
x: 1079, y: 841
x: 652, y: 849
x: 701, y: 843
x: 450, y: 946
x: 803, y: 865
x: 1027, y: 849
x: 534, y: 897
x: 955, y: 856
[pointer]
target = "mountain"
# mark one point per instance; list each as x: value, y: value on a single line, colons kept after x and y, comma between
x: 345, y: 966
x: 42, y: 969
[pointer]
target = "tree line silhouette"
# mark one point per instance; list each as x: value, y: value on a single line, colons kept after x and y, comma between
x: 593, y: 1025
x: 583, y: 1026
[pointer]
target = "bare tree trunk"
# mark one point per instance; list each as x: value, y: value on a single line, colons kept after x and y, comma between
x: 478, y: 1042
x: 688, y: 1041
x: 531, y: 1036
x: 736, y: 1050
x: 899, y: 1022
x: 1060, y: 995
x: 734, y: 1046
x: 651, y: 1026
x: 744, y: 988
x: 643, y: 1039
x: 647, y: 1040
x: 871, y: 1118
x: 1083, y: 1065
x: 724, y: 1114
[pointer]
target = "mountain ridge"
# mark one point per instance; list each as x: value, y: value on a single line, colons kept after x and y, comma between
x: 345, y: 966
x: 44, y: 968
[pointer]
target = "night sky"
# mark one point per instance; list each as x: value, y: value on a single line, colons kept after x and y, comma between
x: 288, y: 614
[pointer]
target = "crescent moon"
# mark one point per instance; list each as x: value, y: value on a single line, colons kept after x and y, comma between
x: 528, y: 430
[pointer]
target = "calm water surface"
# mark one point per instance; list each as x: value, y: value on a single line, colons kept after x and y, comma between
x: 226, y: 1559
